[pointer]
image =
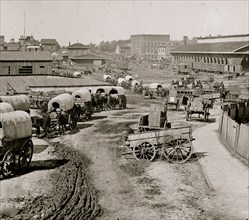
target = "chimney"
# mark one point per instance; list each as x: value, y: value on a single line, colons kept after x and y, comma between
x: 1, y: 39
x: 69, y: 43
x: 185, y: 39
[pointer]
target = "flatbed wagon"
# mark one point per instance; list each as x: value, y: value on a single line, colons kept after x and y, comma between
x: 174, y: 142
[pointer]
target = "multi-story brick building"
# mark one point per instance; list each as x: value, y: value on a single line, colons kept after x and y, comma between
x: 145, y: 45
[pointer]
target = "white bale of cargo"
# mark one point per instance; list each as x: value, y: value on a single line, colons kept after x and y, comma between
x: 120, y: 80
x: 134, y: 83
x: 117, y: 90
x: 107, y: 77
x: 15, y: 125
x: 83, y: 95
x: 155, y: 85
x: 128, y: 78
x: 6, y: 107
x: 18, y: 102
x: 62, y: 101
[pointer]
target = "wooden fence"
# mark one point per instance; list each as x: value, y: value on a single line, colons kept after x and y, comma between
x: 235, y: 135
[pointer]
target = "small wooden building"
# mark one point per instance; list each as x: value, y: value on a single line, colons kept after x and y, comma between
x: 90, y: 59
x: 25, y: 63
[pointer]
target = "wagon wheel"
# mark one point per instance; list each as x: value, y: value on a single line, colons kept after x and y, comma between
x: 178, y: 150
x: 177, y: 105
x: 205, y: 115
x: 74, y: 122
x: 144, y: 151
x: 70, y: 122
x: 25, y: 155
x: 8, y: 163
x: 188, y: 117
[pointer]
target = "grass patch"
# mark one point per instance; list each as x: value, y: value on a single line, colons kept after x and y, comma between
x: 135, y: 168
x: 105, y: 127
x: 154, y: 190
x: 145, y: 180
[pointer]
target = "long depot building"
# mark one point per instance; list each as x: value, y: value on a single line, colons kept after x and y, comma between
x: 214, y: 54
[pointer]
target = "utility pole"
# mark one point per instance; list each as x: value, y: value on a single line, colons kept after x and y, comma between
x: 24, y: 23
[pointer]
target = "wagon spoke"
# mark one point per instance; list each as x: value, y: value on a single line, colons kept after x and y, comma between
x: 180, y: 152
x: 144, y: 151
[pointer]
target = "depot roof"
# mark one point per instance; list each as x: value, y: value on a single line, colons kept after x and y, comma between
x: 223, y: 47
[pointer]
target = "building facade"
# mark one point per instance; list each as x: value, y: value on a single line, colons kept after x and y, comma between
x: 145, y: 46
x: 90, y: 59
x: 222, y: 57
x: 25, y: 63
x: 163, y: 51
x: 77, y: 49
x: 49, y: 45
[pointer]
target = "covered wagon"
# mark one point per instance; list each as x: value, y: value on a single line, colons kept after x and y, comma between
x: 6, y: 107
x: 16, y: 146
x: 18, y: 102
x: 106, y: 77
x: 83, y: 101
x: 128, y: 78
x: 38, y: 98
x: 121, y: 80
x: 117, y: 97
x: 62, y: 112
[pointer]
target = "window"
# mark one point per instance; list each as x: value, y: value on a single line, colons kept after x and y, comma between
x: 26, y: 70
x: 42, y: 67
x: 9, y: 70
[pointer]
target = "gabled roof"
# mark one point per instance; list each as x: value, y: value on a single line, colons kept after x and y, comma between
x: 89, y: 56
x: 20, y: 83
x: 225, y: 36
x: 25, y: 56
x: 223, y: 47
x: 78, y: 46
x: 48, y: 41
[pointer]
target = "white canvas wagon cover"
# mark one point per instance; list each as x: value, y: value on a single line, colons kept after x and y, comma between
x: 62, y: 101
x: 135, y: 83
x: 120, y: 80
x: 117, y: 90
x: 15, y: 125
x: 6, y: 107
x: 128, y: 78
x: 155, y: 85
x: 84, y: 95
x: 19, y: 102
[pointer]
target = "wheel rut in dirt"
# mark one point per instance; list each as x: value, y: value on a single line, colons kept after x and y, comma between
x: 72, y: 195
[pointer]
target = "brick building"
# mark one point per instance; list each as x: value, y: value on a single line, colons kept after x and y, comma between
x: 145, y: 45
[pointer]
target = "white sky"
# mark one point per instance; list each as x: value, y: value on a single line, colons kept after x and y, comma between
x: 94, y: 21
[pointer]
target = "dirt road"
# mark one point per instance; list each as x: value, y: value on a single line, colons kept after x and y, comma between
x: 92, y: 174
